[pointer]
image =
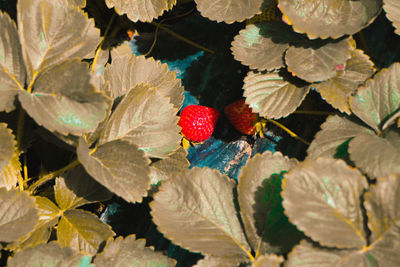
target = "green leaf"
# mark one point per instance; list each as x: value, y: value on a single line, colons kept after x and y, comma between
x: 268, y: 260
x: 381, y: 155
x: 9, y: 162
x: 12, y: 67
x: 169, y: 167
x: 147, y: 119
x: 219, y: 261
x: 329, y: 18
x: 227, y: 10
x: 58, y: 31
x: 130, y: 251
x: 335, y: 132
x: 261, y: 46
x: 392, y: 9
x: 272, y: 95
x: 119, y: 166
x: 336, y: 90
x: 48, y: 255
x: 196, y: 211
x: 379, y: 98
x: 141, y: 10
x: 18, y: 214
x: 77, y: 188
x: 128, y: 71
x: 260, y: 202
x: 322, y: 198
x: 63, y: 99
x: 82, y: 231
x: 318, y: 62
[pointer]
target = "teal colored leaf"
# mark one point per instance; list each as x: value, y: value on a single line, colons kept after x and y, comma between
x: 12, y: 66
x: 196, y: 211
x: 379, y: 98
x: 322, y: 198
x: 146, y: 118
x: 63, y: 99
x: 18, y: 214
x: 267, y: 228
x: 130, y: 251
x: 58, y: 31
x: 119, y: 166
x: 83, y: 231
x: 10, y: 165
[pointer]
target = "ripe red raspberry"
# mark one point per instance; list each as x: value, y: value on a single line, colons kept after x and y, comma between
x: 242, y: 117
x: 198, y: 122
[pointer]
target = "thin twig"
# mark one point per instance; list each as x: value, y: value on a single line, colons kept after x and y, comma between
x: 283, y: 127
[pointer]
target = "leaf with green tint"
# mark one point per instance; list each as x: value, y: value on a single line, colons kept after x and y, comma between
x: 130, y: 251
x: 229, y: 11
x: 260, y: 203
x: 141, y: 10
x: 329, y: 18
x: 318, y: 62
x: 196, y: 211
x: 82, y: 231
x: 153, y: 127
x: 48, y: 255
x: 77, y: 188
x: 12, y: 67
x: 381, y: 155
x: 18, y: 214
x: 119, y: 166
x: 220, y: 261
x: 63, y: 99
x: 58, y: 31
x: 129, y: 71
x: 273, y: 95
x: 169, y: 167
x: 261, y: 46
x: 392, y: 10
x: 322, y: 198
x: 379, y: 98
x: 9, y: 162
x: 269, y: 260
x: 335, y: 131
x: 336, y: 90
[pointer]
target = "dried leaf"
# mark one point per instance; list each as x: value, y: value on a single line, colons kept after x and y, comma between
x: 219, y: 261
x: 169, y: 167
x: 268, y: 261
x: 9, y: 162
x: 392, y: 9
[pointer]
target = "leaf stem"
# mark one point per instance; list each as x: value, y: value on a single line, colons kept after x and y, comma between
x: 52, y: 175
x: 283, y: 127
x: 314, y: 112
x: 180, y: 37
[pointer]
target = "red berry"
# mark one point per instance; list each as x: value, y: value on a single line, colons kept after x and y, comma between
x: 198, y: 122
x: 242, y: 117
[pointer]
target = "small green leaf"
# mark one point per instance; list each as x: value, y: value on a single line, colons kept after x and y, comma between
x: 272, y: 95
x: 18, y: 214
x: 10, y: 166
x: 260, y: 203
x: 329, y: 18
x: 119, y: 166
x: 269, y: 260
x: 227, y: 10
x: 56, y: 32
x: 63, y: 99
x: 392, y: 9
x: 130, y: 251
x: 169, y: 167
x: 12, y: 66
x: 318, y: 62
x: 141, y: 10
x: 147, y: 119
x: 48, y: 255
x: 196, y: 211
x: 336, y: 90
x: 82, y: 231
x: 322, y: 198
x: 379, y: 98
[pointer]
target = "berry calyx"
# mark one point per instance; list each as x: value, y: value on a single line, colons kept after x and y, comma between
x: 198, y: 122
x: 242, y: 117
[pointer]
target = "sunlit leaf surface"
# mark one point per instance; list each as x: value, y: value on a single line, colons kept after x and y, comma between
x: 272, y: 95
x: 169, y: 167
x: 195, y: 211
x: 227, y: 10
x: 268, y: 260
x: 322, y: 198
x: 129, y: 251
x: 9, y: 159
x: 219, y: 261
x: 392, y: 9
